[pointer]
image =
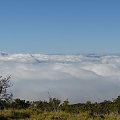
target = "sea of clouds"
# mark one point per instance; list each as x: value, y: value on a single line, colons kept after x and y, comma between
x: 77, y: 77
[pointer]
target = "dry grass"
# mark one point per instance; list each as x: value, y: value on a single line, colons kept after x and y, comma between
x: 30, y: 114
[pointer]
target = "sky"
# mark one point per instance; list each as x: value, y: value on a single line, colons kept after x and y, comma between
x: 64, y: 26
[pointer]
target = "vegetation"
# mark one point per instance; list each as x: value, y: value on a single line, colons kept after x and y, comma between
x: 54, y: 109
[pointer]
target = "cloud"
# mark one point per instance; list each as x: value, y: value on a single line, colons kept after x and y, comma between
x: 76, y: 77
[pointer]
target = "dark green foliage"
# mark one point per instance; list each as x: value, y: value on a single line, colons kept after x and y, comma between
x: 20, y: 104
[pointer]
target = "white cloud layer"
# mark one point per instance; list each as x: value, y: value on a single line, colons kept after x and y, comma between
x: 76, y: 77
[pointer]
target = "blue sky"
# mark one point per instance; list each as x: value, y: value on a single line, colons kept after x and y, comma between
x: 64, y: 26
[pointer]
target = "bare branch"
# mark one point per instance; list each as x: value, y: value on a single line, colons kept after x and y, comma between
x: 4, y: 85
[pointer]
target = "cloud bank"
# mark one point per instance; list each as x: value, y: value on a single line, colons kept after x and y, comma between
x: 76, y: 77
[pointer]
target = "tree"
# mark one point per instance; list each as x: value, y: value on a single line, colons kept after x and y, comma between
x: 4, y: 85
